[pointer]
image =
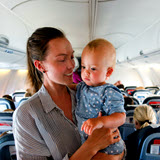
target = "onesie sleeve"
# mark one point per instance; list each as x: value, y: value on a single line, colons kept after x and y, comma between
x: 114, y: 101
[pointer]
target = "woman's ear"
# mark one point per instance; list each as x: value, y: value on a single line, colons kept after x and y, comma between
x: 38, y: 65
x: 137, y: 125
x: 109, y: 72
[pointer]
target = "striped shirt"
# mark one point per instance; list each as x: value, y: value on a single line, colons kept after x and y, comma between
x: 41, y: 129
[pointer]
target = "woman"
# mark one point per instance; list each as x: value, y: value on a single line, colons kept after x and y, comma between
x: 143, y: 116
x: 44, y: 126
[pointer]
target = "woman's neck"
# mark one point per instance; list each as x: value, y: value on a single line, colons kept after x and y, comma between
x: 61, y: 97
x: 56, y: 90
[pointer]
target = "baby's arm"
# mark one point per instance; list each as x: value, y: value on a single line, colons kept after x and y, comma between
x: 112, y: 121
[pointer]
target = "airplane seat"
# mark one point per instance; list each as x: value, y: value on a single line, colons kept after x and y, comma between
x: 17, y: 96
x: 142, y: 135
x: 129, y: 89
x: 135, y: 100
x: 126, y: 129
x: 22, y: 100
x: 151, y: 151
x: 124, y: 93
x: 153, y: 101
x: 146, y: 152
x: 153, y: 89
x: 5, y: 121
x: 157, y: 92
x: 141, y: 94
x: 6, y: 104
x: 7, y: 147
x: 129, y: 116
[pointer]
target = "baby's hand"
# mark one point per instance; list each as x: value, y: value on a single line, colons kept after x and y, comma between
x: 91, y: 124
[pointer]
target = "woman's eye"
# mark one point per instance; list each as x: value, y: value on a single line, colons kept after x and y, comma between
x: 83, y: 67
x: 72, y: 57
x: 61, y: 60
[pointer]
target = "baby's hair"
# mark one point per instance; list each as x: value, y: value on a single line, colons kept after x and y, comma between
x: 144, y: 115
x: 100, y: 42
x: 97, y: 42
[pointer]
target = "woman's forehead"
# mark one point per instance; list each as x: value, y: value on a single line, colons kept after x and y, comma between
x: 60, y: 46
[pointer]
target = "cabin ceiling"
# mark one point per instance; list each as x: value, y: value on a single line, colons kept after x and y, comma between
x: 132, y: 26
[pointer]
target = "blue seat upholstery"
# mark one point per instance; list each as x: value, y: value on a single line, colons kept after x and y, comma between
x: 5, y: 121
x: 126, y: 129
x: 138, y: 141
x: 6, y: 104
x: 7, y: 150
x: 145, y: 154
x: 6, y: 116
x: 22, y: 100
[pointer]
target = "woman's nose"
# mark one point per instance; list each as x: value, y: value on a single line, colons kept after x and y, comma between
x: 71, y: 64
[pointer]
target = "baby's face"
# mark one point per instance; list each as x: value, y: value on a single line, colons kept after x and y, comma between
x: 94, y: 67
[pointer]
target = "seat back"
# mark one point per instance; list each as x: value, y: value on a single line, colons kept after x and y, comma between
x: 146, y: 148
x: 7, y: 147
x: 5, y: 121
x: 22, y: 100
x: 153, y: 89
x: 6, y: 104
x: 129, y: 116
x: 129, y: 113
x: 143, y: 134
x: 129, y: 89
x: 124, y: 93
x: 157, y: 92
x: 153, y: 101
x: 136, y: 102
x: 141, y: 94
x: 126, y: 129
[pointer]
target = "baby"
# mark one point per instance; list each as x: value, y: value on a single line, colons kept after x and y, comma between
x: 95, y: 96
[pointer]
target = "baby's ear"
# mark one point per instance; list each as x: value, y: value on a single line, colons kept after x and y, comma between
x: 109, y: 72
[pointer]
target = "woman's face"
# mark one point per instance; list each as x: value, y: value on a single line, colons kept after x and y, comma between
x: 59, y: 62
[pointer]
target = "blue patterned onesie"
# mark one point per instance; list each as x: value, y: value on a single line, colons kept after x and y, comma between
x: 91, y: 100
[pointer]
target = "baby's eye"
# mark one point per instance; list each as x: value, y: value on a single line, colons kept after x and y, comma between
x: 93, y: 69
x: 83, y: 67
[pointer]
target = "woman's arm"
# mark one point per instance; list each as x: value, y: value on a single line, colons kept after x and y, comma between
x: 99, y: 139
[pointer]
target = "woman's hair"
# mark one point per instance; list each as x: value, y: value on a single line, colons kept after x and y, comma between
x: 144, y: 115
x: 37, y: 46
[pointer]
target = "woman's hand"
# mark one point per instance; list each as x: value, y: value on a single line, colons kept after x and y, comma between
x: 99, y: 139
x: 103, y: 137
